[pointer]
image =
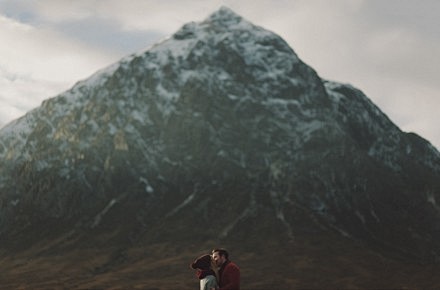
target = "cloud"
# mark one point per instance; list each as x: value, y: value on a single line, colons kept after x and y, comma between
x: 37, y: 63
x: 106, y: 35
x: 128, y: 15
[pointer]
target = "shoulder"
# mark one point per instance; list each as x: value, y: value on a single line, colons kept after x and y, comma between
x: 210, y: 281
x: 208, y: 278
x: 232, y: 265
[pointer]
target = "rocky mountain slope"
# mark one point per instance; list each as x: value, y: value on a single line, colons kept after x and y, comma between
x: 219, y: 134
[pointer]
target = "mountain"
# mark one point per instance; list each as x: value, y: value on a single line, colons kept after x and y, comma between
x: 217, y: 135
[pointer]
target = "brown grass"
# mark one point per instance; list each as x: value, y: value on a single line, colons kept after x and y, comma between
x: 311, y: 261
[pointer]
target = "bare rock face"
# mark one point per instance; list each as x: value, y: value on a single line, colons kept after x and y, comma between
x: 220, y: 132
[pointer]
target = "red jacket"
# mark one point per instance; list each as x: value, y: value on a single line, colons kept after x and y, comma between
x: 229, y: 276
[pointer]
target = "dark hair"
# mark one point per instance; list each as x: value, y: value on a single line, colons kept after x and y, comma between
x: 221, y: 252
x: 202, y: 262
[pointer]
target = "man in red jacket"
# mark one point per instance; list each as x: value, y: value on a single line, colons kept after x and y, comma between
x: 229, y: 272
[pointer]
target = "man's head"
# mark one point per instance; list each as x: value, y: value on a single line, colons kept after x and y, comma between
x: 220, y: 256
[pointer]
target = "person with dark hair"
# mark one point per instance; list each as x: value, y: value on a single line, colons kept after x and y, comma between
x: 206, y: 272
x: 229, y: 272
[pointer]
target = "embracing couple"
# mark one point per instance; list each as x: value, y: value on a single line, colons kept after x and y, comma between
x: 217, y: 272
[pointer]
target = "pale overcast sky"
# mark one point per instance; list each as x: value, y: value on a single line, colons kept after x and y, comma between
x: 390, y: 49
